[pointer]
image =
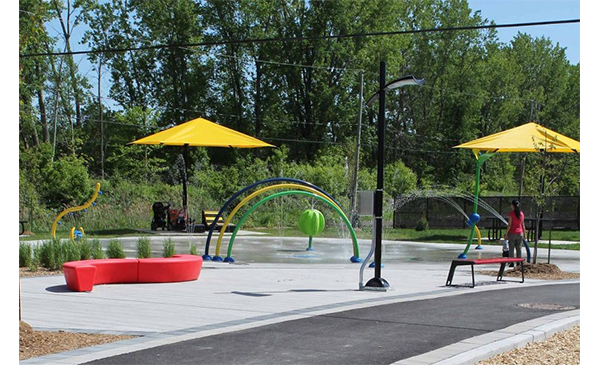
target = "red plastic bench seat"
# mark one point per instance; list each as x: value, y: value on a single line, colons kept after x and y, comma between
x: 168, y: 270
x: 495, y: 260
x: 84, y: 274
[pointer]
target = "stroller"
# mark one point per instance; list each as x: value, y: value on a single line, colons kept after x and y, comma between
x: 177, y: 219
x: 159, y: 220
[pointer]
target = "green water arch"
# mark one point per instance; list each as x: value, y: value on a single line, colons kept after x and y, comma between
x: 355, y: 258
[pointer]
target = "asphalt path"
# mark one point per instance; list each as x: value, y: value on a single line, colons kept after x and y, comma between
x: 376, y: 335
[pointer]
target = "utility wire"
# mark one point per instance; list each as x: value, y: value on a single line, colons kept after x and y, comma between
x: 301, y: 38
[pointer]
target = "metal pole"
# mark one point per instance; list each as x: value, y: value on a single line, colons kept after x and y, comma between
x: 184, y: 176
x: 378, y: 281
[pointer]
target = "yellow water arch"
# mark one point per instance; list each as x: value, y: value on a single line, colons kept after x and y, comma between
x: 258, y: 192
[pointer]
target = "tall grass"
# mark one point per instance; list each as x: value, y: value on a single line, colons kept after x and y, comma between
x: 115, y: 249
x: 96, y: 249
x: 25, y: 254
x: 85, y: 249
x: 168, y: 248
x: 52, y: 254
x: 144, y: 250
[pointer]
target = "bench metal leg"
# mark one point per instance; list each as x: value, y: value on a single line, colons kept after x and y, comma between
x: 451, y: 274
x: 522, y: 272
x: 501, y: 271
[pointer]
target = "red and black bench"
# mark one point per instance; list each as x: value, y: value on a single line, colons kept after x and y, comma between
x: 496, y: 260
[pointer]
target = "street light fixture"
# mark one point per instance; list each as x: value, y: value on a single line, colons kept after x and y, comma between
x: 377, y: 282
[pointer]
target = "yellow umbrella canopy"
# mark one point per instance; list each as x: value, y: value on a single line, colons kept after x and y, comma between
x: 530, y: 137
x: 202, y: 133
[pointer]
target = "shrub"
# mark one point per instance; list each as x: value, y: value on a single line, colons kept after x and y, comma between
x: 50, y: 254
x: 96, y: 249
x: 35, y: 260
x: 25, y: 254
x: 422, y: 225
x: 85, y: 249
x: 144, y: 250
x: 193, y: 249
x: 168, y: 248
x: 115, y: 249
x: 69, y: 251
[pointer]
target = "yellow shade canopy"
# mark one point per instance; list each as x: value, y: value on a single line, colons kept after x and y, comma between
x: 529, y: 137
x: 202, y: 133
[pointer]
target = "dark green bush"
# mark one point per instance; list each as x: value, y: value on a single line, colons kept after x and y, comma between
x: 168, y: 248
x: 115, y: 249
x: 422, y: 225
x: 70, y: 251
x: 25, y: 254
x: 144, y: 250
x: 96, y: 249
x: 85, y: 249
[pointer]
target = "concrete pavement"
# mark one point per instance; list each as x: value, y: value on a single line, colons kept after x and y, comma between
x: 229, y: 299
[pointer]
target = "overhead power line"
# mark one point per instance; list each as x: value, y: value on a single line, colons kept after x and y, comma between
x: 301, y: 38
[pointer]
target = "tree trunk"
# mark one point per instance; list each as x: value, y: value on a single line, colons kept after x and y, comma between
x: 42, y: 106
x: 67, y: 32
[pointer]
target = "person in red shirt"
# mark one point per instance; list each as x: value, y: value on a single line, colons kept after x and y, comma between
x: 516, y: 229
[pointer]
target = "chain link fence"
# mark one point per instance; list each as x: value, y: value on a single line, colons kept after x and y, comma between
x: 557, y: 212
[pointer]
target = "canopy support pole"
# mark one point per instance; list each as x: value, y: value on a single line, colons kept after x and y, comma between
x: 184, y: 175
x: 480, y: 160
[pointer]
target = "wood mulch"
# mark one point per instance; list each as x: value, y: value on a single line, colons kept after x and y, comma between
x: 536, y: 271
x: 562, y: 348
x: 41, y: 343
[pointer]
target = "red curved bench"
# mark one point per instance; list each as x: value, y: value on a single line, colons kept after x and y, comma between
x: 84, y: 274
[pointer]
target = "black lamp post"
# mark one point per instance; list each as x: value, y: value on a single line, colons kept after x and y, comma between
x: 378, y: 282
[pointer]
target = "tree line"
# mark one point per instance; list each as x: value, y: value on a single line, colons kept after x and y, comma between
x: 302, y: 96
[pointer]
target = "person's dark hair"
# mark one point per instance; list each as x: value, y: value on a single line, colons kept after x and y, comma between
x: 517, y: 206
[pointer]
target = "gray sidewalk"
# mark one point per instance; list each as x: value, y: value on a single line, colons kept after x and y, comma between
x: 229, y: 298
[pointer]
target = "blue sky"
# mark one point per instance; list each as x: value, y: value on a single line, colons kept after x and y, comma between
x: 521, y: 11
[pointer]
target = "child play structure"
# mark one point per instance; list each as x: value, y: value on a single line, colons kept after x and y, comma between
x: 300, y: 187
x: 74, y: 233
x: 311, y: 223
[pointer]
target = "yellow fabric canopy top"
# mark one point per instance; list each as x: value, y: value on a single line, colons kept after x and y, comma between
x: 200, y: 132
x: 529, y: 137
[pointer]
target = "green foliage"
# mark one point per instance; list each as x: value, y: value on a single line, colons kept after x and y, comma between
x: 476, y: 86
x: 52, y: 254
x: 85, y: 249
x: 25, y: 254
x: 399, y: 179
x: 144, y: 250
x: 61, y: 183
x: 193, y: 249
x: 70, y: 251
x: 115, y: 250
x: 96, y: 249
x: 422, y: 225
x: 168, y: 248
x: 35, y: 260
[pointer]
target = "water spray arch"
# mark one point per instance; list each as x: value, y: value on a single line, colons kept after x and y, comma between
x: 258, y: 192
x: 355, y: 258
x: 206, y: 256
